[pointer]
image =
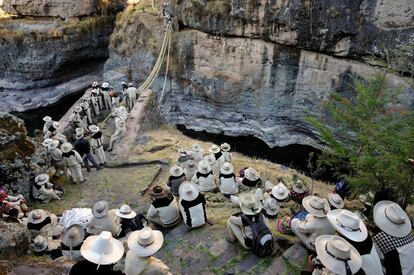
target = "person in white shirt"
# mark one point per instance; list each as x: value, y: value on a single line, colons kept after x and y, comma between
x: 227, y: 180
x: 192, y: 205
x: 204, y: 177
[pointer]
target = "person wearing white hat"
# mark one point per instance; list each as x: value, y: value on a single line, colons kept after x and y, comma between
x: 51, y: 131
x: 43, y: 245
x: 48, y: 122
x: 251, y: 179
x: 337, y: 256
x: 225, y: 151
x: 101, y: 252
x: 190, y: 170
x: 204, y: 177
x: 76, y: 120
x: 197, y: 152
x: 103, y: 219
x: 120, y: 127
x: 315, y: 224
x: 72, y: 240
x: 164, y: 209
x: 45, y: 144
x: 107, y: 102
x: 43, y: 190
x: 214, y: 164
x: 56, y: 157
x: 41, y: 222
x: 395, y: 239
x: 271, y: 206
x: 177, y: 176
x: 298, y: 191
x: 192, y: 205
x: 350, y: 227
x: 227, y: 180
x: 83, y: 147
x: 335, y: 201
x: 85, y: 105
x: 132, y: 94
x: 218, y: 156
x: 142, y: 245
x: 129, y: 220
x: 97, y: 141
x: 73, y: 161
x: 280, y: 192
x: 183, y: 158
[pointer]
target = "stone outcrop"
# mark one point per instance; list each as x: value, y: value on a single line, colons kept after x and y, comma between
x: 14, y: 240
x: 255, y: 68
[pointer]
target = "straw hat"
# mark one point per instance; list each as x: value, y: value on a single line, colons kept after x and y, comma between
x: 251, y: 174
x: 348, y: 224
x: 315, y: 206
x: 271, y: 206
x: 79, y: 135
x: 249, y: 204
x: 40, y: 243
x: 334, y: 252
x: 47, y: 119
x: 188, y: 191
x: 157, y: 191
x: 73, y: 235
x: 105, y: 85
x: 46, y: 142
x: 77, y: 109
x: 94, y: 129
x: 191, y: 165
x: 204, y: 167
x: 299, y: 187
x: 176, y: 171
x: 336, y: 201
x: 66, y: 147
x: 36, y: 216
x: 95, y: 84
x: 56, y: 125
x: 196, y: 147
x: 125, y: 212
x: 100, y: 209
x: 225, y: 147
x: 42, y: 178
x: 280, y: 191
x: 227, y: 168
x: 130, y: 84
x: 54, y: 144
x: 214, y: 149
x: 145, y: 242
x: 102, y: 249
x: 392, y: 219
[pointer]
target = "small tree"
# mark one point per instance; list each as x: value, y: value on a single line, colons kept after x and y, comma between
x: 371, y: 139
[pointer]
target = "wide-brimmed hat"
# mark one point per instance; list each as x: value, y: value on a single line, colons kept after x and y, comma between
x: 46, y: 142
x: 203, y: 167
x: 102, y: 249
x: 271, y: 206
x: 315, y: 206
x: 79, y: 135
x: 77, y: 109
x: 125, y: 212
x: 56, y: 125
x: 214, y: 149
x: 225, y: 147
x: 299, y: 187
x: 336, y: 201
x: 47, y: 119
x: 54, y: 144
x: 191, y: 164
x: 196, y: 147
x: 249, y: 204
x: 93, y: 128
x: 40, y: 243
x: 42, y: 178
x: 227, y: 168
x: 100, y: 209
x: 145, y: 242
x: 392, y: 219
x: 73, y: 235
x: 66, y: 147
x: 36, y: 216
x: 176, y: 171
x: 105, y: 85
x: 95, y: 84
x: 188, y: 191
x: 157, y: 191
x: 251, y: 174
x: 280, y: 191
x: 348, y: 224
x: 335, y: 253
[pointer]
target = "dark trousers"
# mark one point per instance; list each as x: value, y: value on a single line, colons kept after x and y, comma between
x: 88, y: 157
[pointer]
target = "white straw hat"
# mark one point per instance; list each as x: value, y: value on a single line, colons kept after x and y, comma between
x: 335, y: 252
x: 47, y: 119
x: 271, y: 206
x: 66, y: 147
x: 188, y: 191
x: 315, y: 206
x: 392, y: 219
x: 46, y: 142
x: 145, y: 242
x: 249, y: 204
x: 210, y: 159
x: 105, y: 85
x: 102, y: 249
x: 336, y: 201
x: 94, y: 129
x: 42, y: 178
x: 176, y: 171
x: 225, y: 147
x: 54, y: 144
x: 40, y: 243
x: 79, y: 135
x: 56, y: 125
x: 125, y: 212
x: 100, y: 209
x: 214, y: 149
x: 73, y: 235
x: 203, y: 167
x: 191, y: 164
x: 36, y: 216
x: 298, y: 187
x: 227, y: 168
x: 77, y: 109
x: 95, y: 84
x: 196, y: 147
x: 348, y: 224
x: 251, y: 174
x: 280, y: 191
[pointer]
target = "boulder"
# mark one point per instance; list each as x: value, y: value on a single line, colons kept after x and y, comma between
x: 14, y: 240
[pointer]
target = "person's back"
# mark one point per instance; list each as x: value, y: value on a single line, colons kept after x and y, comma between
x: 228, y: 184
x: 167, y: 209
x: 82, y: 146
x: 205, y: 181
x: 193, y: 212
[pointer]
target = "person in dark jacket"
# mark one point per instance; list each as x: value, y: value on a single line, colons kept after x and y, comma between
x: 83, y: 147
x: 129, y: 220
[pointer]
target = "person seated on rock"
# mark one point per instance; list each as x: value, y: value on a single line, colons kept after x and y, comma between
x: 190, y: 170
x: 197, y: 152
x: 315, y: 224
x: 271, y: 207
x: 183, y: 158
x: 251, y: 179
x: 48, y: 122
x: 214, y: 164
x: 298, y: 191
x: 101, y: 253
x: 143, y: 244
x: 280, y: 192
x: 204, y: 177
x: 225, y: 151
x: 40, y: 222
x: 164, y: 209
x: 350, y: 227
x: 72, y: 240
x: 45, y: 191
x: 227, y: 180
x: 129, y: 220
x: 73, y: 161
x: 103, y: 219
x: 395, y: 239
x: 218, y: 157
x: 335, y: 201
x: 43, y: 246
x: 177, y: 176
x: 192, y: 205
x: 13, y: 202
x: 251, y: 227
x: 83, y: 147
x: 106, y: 97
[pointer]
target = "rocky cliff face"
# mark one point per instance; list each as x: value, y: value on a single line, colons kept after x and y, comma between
x: 254, y: 67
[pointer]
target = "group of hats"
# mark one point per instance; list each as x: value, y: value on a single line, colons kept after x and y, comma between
x: 42, y: 179
x: 55, y: 124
